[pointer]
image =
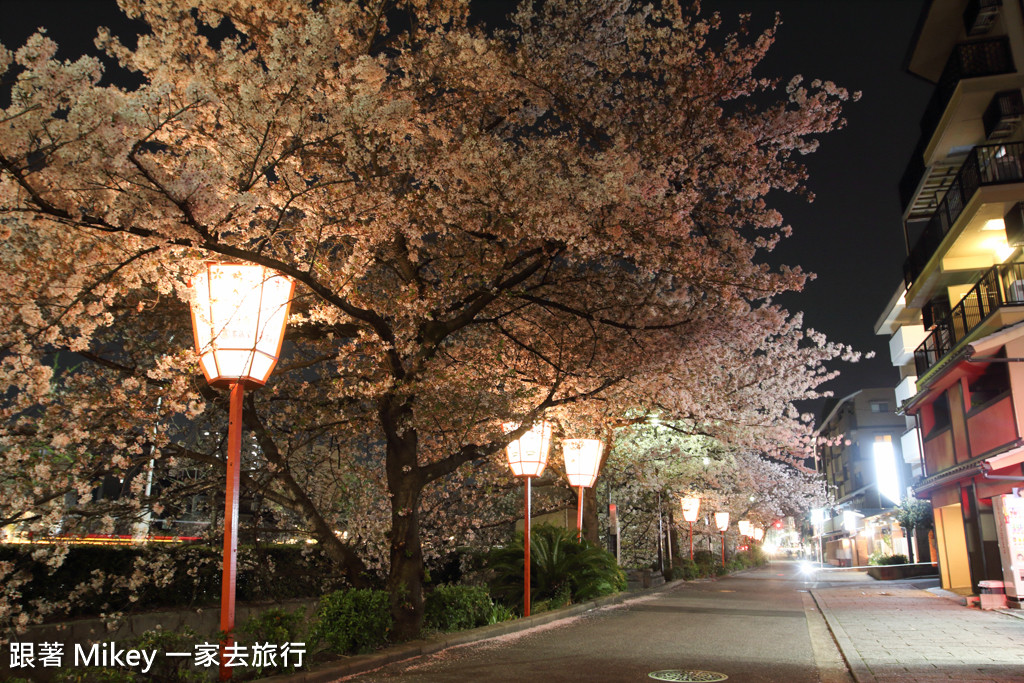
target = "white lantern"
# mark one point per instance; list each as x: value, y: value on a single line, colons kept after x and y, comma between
x: 582, y: 458
x: 528, y: 455
x: 745, y: 528
x: 691, y: 506
x: 759, y: 534
x: 722, y: 520
x: 238, y: 318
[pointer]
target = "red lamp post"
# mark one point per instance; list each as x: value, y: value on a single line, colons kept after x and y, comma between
x: 527, y: 457
x: 239, y: 312
x: 582, y: 459
x: 722, y: 522
x: 691, y: 506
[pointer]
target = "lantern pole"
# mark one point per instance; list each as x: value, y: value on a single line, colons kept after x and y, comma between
x: 691, y: 540
x: 526, y: 552
x: 723, y: 548
x: 227, y: 592
x: 219, y: 343
x: 579, y: 518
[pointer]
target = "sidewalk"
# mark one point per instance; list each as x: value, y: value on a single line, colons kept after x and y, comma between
x: 894, y: 632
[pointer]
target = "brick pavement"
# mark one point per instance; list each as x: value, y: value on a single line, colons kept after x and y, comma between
x: 896, y: 633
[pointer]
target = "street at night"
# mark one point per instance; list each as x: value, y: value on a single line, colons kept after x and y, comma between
x: 513, y: 340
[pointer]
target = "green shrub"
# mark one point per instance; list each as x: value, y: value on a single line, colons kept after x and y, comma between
x: 688, y: 570
x: 171, y: 669
x: 705, y: 558
x: 562, y: 569
x: 191, y: 576
x: 454, y: 608
x: 880, y: 558
x: 275, y: 626
x: 88, y: 675
x: 164, y: 669
x: 500, y: 613
x: 353, y: 621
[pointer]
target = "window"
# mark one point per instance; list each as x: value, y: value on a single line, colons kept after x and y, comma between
x: 879, y: 406
x: 939, y: 415
x: 991, y: 384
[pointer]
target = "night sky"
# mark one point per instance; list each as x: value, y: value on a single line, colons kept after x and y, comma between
x: 851, y: 236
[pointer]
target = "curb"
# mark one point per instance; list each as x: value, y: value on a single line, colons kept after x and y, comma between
x: 362, y: 663
x: 858, y: 669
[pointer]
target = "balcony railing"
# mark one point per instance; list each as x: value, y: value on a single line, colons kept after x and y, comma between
x: 999, y: 286
x: 986, y: 165
x: 978, y: 58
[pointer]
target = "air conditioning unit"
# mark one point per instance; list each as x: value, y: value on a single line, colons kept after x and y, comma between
x: 1014, y: 225
x: 935, y: 313
x: 1003, y: 114
x: 980, y: 15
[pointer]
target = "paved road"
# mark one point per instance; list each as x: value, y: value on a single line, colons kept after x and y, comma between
x: 760, y: 625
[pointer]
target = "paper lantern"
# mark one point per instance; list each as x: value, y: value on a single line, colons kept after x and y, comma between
x: 691, y: 506
x: 239, y: 314
x: 528, y: 455
x: 722, y: 520
x: 582, y: 458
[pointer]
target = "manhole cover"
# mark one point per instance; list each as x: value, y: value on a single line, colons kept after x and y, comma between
x: 682, y: 675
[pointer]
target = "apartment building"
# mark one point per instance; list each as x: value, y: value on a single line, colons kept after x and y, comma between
x: 956, y: 322
x: 858, y: 451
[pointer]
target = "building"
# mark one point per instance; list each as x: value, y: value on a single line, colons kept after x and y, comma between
x: 858, y: 449
x: 956, y: 322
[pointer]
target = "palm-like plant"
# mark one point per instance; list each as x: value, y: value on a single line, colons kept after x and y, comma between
x: 561, y: 568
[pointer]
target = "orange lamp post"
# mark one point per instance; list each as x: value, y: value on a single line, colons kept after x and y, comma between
x: 691, y: 506
x: 527, y: 458
x: 239, y: 312
x: 722, y: 522
x: 582, y: 459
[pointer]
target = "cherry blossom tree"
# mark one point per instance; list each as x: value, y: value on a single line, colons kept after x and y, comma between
x: 563, y: 218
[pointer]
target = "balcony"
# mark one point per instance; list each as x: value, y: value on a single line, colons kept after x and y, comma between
x: 978, y: 58
x: 985, y: 165
x: 999, y: 286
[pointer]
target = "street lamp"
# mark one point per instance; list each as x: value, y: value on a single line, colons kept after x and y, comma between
x: 745, y: 527
x: 527, y: 457
x: 722, y: 522
x: 691, y: 506
x: 582, y: 459
x: 239, y: 312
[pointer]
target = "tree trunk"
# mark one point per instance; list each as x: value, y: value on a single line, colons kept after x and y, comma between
x: 590, y: 523
x: 405, y: 484
x: 405, y: 580
x: 673, y: 538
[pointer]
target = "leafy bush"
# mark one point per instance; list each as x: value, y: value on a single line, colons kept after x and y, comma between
x: 705, y: 558
x: 164, y: 669
x: 171, y: 669
x: 275, y: 626
x: 500, y: 613
x: 454, y: 608
x: 190, y: 575
x: 688, y: 570
x: 353, y: 621
x: 892, y: 559
x: 561, y: 569
x: 87, y: 675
